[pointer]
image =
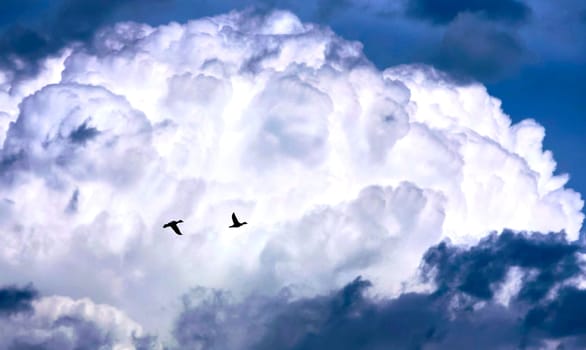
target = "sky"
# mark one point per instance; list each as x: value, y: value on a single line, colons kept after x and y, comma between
x: 410, y: 173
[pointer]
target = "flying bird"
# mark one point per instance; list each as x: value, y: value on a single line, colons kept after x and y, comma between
x: 173, y: 225
x: 235, y: 221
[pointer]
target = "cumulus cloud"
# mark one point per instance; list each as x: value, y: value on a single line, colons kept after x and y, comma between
x: 461, y: 312
x: 339, y: 168
x: 31, y: 321
x: 27, y: 38
x: 513, y: 290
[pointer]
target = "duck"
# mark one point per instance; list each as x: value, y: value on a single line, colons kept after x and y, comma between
x: 173, y: 225
x: 235, y: 222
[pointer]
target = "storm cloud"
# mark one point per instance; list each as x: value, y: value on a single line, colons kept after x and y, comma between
x: 462, y: 311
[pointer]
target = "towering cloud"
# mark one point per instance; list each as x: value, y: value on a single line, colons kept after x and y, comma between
x: 340, y: 169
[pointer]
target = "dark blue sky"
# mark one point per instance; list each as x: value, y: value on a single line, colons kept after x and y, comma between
x: 531, y: 55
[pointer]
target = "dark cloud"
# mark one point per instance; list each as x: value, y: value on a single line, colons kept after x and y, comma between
x: 10, y: 164
x: 475, y: 48
x: 342, y: 320
x: 15, y: 299
x: 479, y: 270
x: 562, y: 317
x: 461, y: 313
x: 148, y: 342
x: 83, y: 133
x: 24, y: 43
x: 444, y: 11
x: 9, y: 160
x: 345, y: 320
x: 73, y: 202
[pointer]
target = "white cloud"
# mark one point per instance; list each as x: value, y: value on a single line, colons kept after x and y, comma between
x: 506, y: 178
x: 340, y: 169
x: 57, y: 322
x: 12, y: 92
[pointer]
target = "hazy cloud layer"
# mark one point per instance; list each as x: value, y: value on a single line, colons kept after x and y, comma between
x: 340, y: 169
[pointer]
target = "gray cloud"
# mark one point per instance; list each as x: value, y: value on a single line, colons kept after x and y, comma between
x: 23, y: 43
x: 478, y: 270
x: 30, y: 321
x: 15, y: 299
x: 475, y: 48
x: 83, y: 133
x: 461, y: 313
x: 82, y: 335
x: 443, y: 12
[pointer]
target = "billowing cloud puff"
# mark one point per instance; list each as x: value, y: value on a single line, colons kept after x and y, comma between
x: 28, y: 321
x: 464, y: 310
x: 508, y: 291
x: 340, y: 169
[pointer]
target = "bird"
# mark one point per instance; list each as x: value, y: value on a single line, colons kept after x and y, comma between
x: 235, y: 222
x: 173, y: 225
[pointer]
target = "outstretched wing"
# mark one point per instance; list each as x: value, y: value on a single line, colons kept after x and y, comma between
x: 176, y: 229
x: 234, y: 219
x: 167, y: 225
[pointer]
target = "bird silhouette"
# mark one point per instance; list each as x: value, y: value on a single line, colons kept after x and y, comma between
x: 235, y: 221
x: 173, y: 225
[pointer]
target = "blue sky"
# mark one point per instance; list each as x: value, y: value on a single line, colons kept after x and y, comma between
x: 388, y: 208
